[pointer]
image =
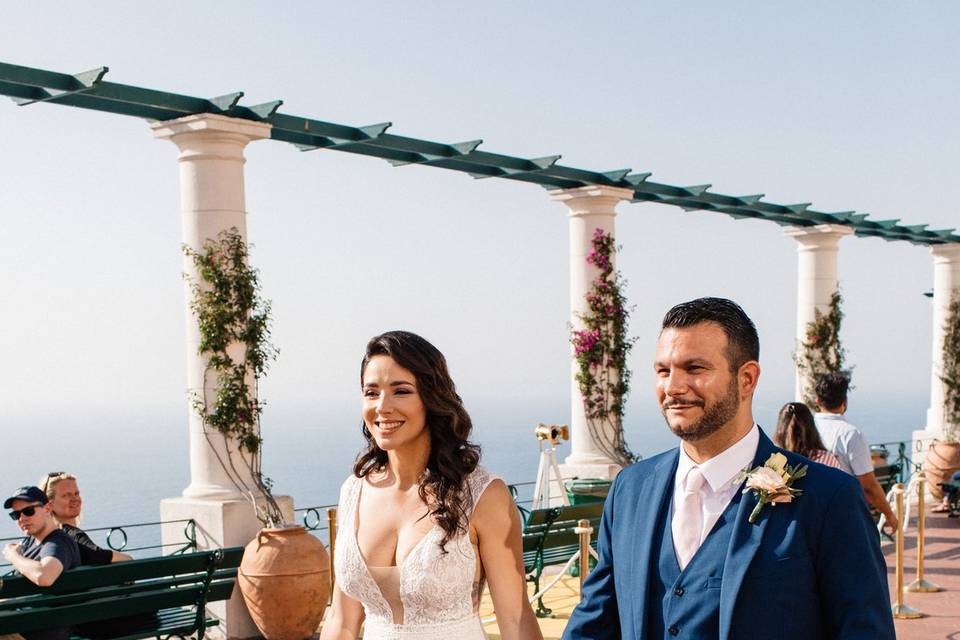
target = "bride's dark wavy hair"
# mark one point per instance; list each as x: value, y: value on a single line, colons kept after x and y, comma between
x: 452, y: 456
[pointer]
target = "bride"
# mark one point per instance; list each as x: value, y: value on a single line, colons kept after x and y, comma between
x: 422, y: 525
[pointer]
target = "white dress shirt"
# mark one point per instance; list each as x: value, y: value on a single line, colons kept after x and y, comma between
x: 720, y: 473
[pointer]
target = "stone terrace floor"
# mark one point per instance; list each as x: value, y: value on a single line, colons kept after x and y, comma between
x: 942, y: 566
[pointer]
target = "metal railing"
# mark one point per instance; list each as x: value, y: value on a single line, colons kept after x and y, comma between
x: 316, y: 520
x: 117, y: 538
x: 313, y: 522
x: 189, y: 536
x: 522, y: 505
x: 903, y: 457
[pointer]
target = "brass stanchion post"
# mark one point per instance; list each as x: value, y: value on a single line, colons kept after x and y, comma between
x: 920, y: 585
x: 901, y: 610
x: 584, y: 530
x: 332, y: 531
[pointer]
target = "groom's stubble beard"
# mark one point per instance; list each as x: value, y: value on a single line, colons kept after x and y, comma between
x: 714, y: 417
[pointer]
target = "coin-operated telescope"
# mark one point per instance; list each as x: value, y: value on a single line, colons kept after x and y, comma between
x: 549, y: 436
x: 552, y: 433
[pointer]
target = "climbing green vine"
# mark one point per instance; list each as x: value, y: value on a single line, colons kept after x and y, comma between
x: 234, y: 324
x: 950, y: 374
x: 821, y: 351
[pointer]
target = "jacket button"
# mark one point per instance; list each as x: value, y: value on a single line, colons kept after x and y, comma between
x: 678, y: 591
x: 673, y: 630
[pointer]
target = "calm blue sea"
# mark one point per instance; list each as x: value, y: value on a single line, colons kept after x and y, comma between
x: 127, y: 463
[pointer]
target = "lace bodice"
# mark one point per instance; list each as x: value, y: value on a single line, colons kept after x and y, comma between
x: 435, y: 587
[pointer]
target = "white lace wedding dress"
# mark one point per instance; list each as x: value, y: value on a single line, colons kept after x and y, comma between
x: 431, y: 593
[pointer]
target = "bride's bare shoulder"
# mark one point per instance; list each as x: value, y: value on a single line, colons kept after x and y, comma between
x: 495, y: 506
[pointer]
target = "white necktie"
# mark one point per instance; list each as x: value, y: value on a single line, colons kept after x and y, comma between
x: 688, y: 518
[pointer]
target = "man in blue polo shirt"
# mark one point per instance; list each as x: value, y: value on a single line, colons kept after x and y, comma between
x: 45, y: 553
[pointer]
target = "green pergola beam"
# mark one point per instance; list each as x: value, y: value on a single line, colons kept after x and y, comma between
x: 88, y: 90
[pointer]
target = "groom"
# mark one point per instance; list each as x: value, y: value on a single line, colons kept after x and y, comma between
x: 679, y: 557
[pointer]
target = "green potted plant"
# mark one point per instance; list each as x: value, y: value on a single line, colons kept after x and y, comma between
x: 284, y: 574
x: 943, y: 456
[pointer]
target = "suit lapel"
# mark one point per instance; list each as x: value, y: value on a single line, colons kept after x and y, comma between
x: 744, y: 542
x: 651, y: 498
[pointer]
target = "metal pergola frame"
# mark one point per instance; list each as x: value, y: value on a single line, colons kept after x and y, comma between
x: 88, y: 90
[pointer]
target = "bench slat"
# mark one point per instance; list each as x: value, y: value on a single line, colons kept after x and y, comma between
x: 54, y: 600
x: 887, y: 475
x: 549, y: 537
x: 221, y: 589
x: 95, y: 610
x: 169, y: 622
x: 82, y: 578
x: 571, y: 512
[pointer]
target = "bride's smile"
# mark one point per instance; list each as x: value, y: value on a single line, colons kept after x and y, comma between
x: 393, y: 410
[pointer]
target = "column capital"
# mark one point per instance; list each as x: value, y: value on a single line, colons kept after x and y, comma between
x: 946, y: 252
x: 821, y: 235
x: 592, y: 199
x: 210, y: 123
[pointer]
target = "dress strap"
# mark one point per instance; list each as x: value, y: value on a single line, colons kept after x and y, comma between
x: 348, y: 496
x: 478, y: 481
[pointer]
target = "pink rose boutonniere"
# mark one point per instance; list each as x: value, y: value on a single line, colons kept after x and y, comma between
x: 772, y: 482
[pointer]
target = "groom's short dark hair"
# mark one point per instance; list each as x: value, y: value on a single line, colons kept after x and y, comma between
x: 743, y: 345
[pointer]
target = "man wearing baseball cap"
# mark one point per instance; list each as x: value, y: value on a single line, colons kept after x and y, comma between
x: 45, y: 553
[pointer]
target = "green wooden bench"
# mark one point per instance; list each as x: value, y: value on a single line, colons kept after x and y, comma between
x: 888, y: 475
x: 549, y: 539
x: 171, y: 593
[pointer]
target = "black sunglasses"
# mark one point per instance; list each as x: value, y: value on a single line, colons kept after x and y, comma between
x: 27, y: 511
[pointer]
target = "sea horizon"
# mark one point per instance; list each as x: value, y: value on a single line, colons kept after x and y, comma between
x: 127, y: 462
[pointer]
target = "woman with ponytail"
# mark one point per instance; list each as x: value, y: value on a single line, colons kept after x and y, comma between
x: 796, y: 431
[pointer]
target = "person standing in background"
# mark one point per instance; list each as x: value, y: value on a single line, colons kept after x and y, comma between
x: 846, y: 442
x: 796, y: 431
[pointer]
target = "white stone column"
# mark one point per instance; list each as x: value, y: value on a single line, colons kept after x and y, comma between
x: 211, y: 200
x: 590, y: 208
x: 817, y: 278
x: 946, y: 281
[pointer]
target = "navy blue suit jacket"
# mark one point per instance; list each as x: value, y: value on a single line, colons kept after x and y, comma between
x: 804, y: 570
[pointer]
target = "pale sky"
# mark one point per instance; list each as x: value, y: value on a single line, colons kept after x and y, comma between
x: 846, y: 105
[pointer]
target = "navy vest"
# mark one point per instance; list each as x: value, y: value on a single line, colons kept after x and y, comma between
x: 687, y: 604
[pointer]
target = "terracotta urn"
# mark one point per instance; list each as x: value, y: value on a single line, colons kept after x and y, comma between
x: 943, y: 459
x: 285, y: 581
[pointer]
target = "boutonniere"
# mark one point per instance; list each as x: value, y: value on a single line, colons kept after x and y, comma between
x: 772, y: 482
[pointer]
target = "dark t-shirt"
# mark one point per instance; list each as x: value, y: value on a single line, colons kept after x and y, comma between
x: 90, y: 553
x: 57, y: 545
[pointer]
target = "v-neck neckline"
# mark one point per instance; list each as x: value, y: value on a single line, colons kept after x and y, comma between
x: 400, y: 563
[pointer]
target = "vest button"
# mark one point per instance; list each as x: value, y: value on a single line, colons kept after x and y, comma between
x: 678, y: 591
x: 673, y: 630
